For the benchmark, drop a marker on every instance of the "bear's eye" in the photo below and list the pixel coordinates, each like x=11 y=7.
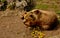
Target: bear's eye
x=31 y=16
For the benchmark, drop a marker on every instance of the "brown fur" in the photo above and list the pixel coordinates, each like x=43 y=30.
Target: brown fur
x=41 y=18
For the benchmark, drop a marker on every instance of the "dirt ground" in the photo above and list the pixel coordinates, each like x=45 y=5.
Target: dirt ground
x=11 y=26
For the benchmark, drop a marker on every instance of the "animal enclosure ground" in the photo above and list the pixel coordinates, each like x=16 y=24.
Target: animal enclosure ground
x=11 y=26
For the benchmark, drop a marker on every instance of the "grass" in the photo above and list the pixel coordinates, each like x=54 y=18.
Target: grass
x=2 y=0
x=58 y=12
x=41 y=6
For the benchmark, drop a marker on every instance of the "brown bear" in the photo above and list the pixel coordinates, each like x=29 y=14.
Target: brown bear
x=41 y=18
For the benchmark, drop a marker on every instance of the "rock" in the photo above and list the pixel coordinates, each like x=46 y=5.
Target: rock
x=21 y=4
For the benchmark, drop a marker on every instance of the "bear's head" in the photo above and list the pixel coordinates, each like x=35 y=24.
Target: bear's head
x=31 y=18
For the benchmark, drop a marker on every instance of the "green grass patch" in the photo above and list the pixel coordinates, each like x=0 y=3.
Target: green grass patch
x=57 y=11
x=42 y=6
x=2 y=0
x=39 y=0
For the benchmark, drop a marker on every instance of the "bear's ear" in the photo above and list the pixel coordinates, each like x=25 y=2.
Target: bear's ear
x=37 y=11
